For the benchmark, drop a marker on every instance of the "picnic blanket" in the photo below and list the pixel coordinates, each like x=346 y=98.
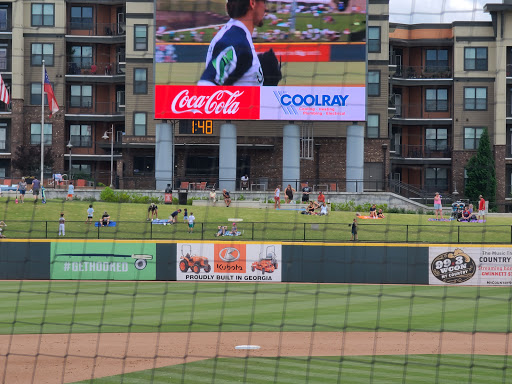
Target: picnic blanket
x=368 y=217
x=111 y=224
x=160 y=221
x=238 y=233
x=471 y=221
x=443 y=219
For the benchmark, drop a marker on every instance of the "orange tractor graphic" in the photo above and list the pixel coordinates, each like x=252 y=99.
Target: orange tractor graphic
x=267 y=262
x=193 y=262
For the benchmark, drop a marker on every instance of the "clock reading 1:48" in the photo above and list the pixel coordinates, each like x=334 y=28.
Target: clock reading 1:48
x=204 y=127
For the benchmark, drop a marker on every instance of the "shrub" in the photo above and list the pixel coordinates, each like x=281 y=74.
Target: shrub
x=111 y=196
x=241 y=198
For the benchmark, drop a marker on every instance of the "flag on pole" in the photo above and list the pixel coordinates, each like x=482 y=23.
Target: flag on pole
x=52 y=101
x=4 y=94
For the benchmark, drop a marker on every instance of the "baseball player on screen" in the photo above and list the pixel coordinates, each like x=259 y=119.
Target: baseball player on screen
x=231 y=57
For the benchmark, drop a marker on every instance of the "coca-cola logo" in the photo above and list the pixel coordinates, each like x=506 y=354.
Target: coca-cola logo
x=221 y=101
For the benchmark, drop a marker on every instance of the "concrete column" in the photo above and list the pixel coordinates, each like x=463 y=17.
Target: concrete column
x=227 y=157
x=164 y=156
x=291 y=156
x=355 y=158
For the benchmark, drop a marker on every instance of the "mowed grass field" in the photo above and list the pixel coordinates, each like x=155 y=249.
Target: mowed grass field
x=92 y=307
x=40 y=221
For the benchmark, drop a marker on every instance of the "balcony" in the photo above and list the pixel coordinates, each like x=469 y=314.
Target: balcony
x=105 y=32
x=96 y=72
x=419 y=75
x=439 y=113
x=422 y=152
x=95 y=111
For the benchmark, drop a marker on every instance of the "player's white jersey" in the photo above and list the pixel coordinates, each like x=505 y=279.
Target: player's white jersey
x=231 y=58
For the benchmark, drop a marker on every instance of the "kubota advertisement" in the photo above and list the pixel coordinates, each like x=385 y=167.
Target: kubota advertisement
x=228 y=262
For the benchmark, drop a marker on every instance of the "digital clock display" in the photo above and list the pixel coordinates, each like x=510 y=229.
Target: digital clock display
x=196 y=127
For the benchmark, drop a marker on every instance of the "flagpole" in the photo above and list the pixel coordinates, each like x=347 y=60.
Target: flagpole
x=42 y=127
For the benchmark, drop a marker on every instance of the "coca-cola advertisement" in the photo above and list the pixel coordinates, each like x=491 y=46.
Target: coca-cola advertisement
x=261 y=48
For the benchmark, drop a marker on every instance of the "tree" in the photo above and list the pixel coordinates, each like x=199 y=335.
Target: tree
x=27 y=159
x=481 y=172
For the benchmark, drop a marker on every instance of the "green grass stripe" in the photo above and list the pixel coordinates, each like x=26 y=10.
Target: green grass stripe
x=413 y=369
x=85 y=306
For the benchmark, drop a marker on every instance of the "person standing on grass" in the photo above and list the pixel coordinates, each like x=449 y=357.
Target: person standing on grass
x=481 y=208
x=191 y=219
x=71 y=191
x=277 y=197
x=90 y=212
x=62 y=229
x=354 y=230
x=288 y=194
x=438 y=207
x=36 y=185
x=22 y=188
x=185 y=215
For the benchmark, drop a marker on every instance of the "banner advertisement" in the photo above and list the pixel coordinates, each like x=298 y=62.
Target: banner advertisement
x=102 y=261
x=228 y=262
x=312 y=51
x=481 y=266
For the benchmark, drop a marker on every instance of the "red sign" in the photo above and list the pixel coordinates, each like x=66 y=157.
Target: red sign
x=207 y=102
x=229 y=258
x=297 y=52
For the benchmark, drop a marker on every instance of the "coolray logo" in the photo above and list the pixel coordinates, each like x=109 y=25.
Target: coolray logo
x=290 y=102
x=220 y=102
x=229 y=254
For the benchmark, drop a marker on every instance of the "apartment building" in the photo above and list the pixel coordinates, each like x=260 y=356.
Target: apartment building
x=99 y=59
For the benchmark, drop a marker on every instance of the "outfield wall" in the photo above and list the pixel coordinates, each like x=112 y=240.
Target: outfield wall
x=369 y=263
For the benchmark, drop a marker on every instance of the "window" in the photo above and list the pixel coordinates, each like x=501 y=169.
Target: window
x=81 y=17
x=80 y=135
x=3 y=58
x=3 y=136
x=475 y=59
x=81 y=57
x=4 y=24
x=140 y=81
x=437 y=60
x=373 y=39
x=197 y=165
x=81 y=96
x=436 y=179
x=373 y=83
x=372 y=127
x=35 y=133
x=140 y=38
x=84 y=169
x=436 y=139
x=436 y=100
x=143 y=165
x=41 y=52
x=475 y=99
x=35 y=94
x=306 y=141
x=43 y=15
x=472 y=137
x=139 y=124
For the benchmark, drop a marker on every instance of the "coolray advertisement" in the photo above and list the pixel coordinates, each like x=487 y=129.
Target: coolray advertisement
x=102 y=261
x=459 y=265
x=228 y=262
x=305 y=60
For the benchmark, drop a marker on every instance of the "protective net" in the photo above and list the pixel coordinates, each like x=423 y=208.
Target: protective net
x=191 y=287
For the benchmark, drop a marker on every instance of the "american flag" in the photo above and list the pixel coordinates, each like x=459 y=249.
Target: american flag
x=4 y=94
x=52 y=101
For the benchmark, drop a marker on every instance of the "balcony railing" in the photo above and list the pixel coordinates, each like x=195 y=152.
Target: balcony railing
x=423 y=72
x=422 y=151
x=99 y=68
x=436 y=109
x=85 y=28
x=95 y=108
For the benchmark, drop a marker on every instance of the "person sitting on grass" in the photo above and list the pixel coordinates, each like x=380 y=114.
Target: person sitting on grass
x=213 y=196
x=105 y=219
x=466 y=215
x=373 y=211
x=323 y=210
x=380 y=215
x=221 y=230
x=234 y=229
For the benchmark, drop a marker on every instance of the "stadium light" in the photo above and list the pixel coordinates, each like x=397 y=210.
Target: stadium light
x=105 y=137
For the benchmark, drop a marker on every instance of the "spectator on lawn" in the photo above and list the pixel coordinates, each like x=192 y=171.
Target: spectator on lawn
x=380 y=215
x=306 y=190
x=62 y=227
x=185 y=216
x=354 y=230
x=288 y=194
x=227 y=197
x=373 y=211
x=277 y=197
x=153 y=209
x=481 y=209
x=221 y=230
x=174 y=216
x=2 y=226
x=213 y=196
x=22 y=188
x=36 y=184
x=438 y=206
x=321 y=198
x=71 y=191
x=191 y=219
x=323 y=210
x=105 y=219
x=90 y=212
x=234 y=229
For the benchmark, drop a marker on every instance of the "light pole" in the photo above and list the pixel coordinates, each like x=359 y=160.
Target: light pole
x=70 y=147
x=105 y=137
